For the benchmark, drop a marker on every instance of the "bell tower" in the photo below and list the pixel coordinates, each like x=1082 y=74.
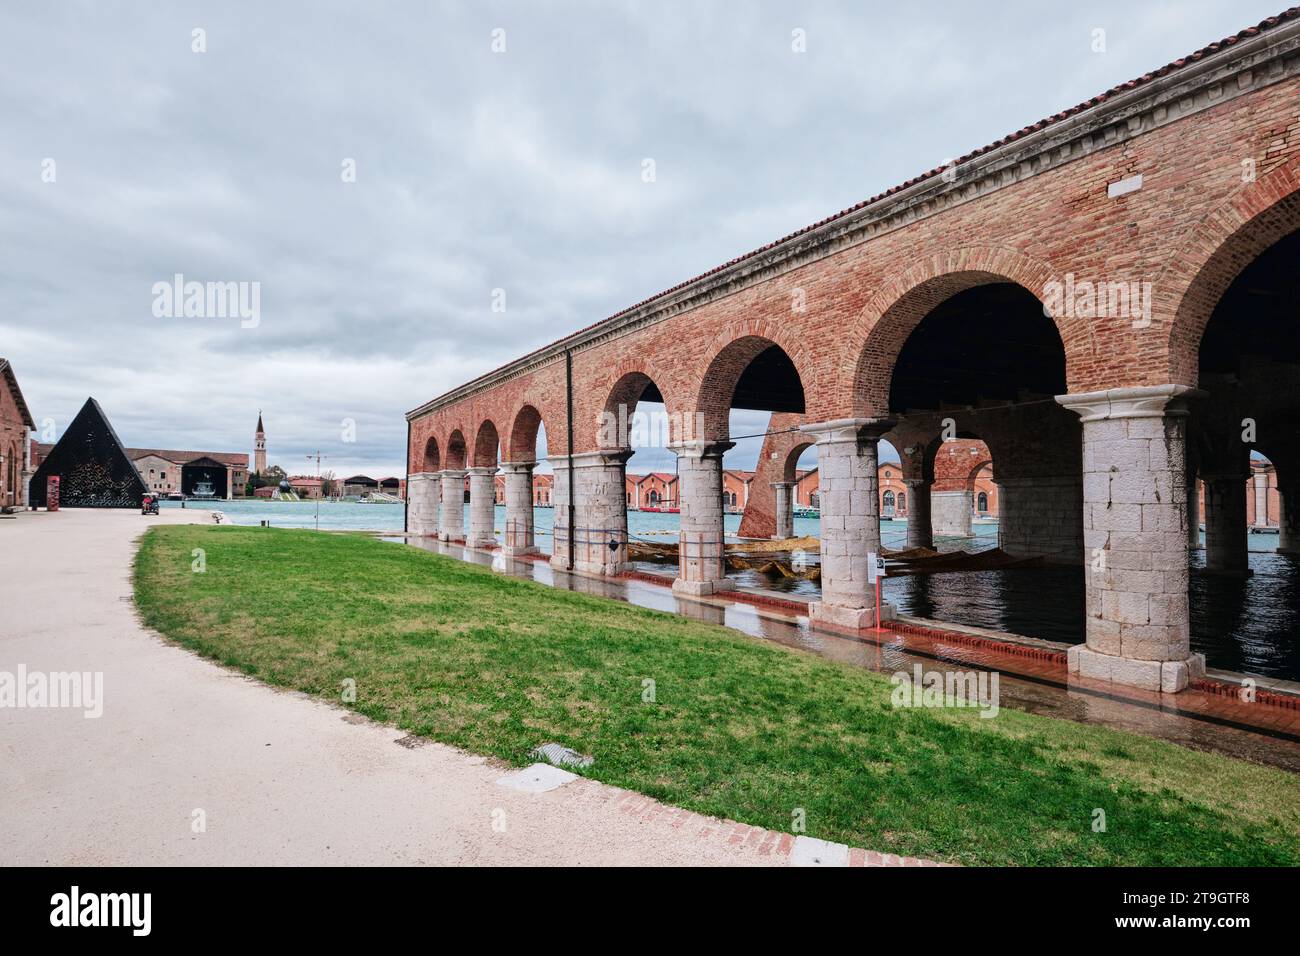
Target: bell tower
x=259 y=446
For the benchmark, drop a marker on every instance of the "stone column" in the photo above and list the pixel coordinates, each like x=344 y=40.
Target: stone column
x=482 y=508
x=423 y=496
x=850 y=520
x=600 y=507
x=451 y=512
x=701 y=568
x=601 y=492
x=1226 y=551
x=950 y=513
x=1135 y=537
x=1261 y=499
x=920 y=531
x=784 y=491
x=518 y=538
x=230 y=482
x=1288 y=532
x=560 y=511
x=1193 y=512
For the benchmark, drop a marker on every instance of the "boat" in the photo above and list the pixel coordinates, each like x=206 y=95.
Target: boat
x=203 y=490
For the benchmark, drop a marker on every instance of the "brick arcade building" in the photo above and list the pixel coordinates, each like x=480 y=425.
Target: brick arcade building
x=1101 y=298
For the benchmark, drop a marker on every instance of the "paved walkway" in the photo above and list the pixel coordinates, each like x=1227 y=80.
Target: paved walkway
x=278 y=777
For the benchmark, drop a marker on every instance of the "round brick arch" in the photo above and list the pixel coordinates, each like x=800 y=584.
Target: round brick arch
x=624 y=385
x=524 y=425
x=898 y=306
x=1219 y=249
x=432 y=460
x=486 y=443
x=790 y=468
x=456 y=451
x=726 y=359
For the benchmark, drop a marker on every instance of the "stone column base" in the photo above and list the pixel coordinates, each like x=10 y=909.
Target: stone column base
x=1168 y=677
x=850 y=618
x=512 y=552
x=698 y=588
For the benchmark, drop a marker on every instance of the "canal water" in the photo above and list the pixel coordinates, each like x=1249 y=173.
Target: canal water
x=1250 y=625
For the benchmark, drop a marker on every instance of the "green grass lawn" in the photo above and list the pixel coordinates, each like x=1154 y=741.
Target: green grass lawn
x=739 y=728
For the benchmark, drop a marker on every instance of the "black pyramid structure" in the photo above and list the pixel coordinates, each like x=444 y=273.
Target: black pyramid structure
x=94 y=469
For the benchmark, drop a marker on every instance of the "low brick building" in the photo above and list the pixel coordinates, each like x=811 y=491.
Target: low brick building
x=15 y=439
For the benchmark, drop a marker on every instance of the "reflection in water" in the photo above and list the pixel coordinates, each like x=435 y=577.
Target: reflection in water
x=1240 y=624
x=1250 y=624
x=887 y=654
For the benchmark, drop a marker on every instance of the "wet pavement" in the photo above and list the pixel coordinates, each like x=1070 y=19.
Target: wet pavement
x=1257 y=732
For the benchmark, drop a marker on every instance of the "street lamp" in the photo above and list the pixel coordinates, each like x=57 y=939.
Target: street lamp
x=319 y=488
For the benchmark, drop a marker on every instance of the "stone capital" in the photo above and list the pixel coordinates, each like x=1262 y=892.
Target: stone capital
x=1143 y=401
x=784 y=484
x=453 y=473
x=918 y=482
x=518 y=467
x=422 y=476
x=482 y=472
x=848 y=430
x=601 y=458
x=700 y=448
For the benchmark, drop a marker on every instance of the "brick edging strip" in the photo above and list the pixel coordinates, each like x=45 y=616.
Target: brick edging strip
x=1222 y=688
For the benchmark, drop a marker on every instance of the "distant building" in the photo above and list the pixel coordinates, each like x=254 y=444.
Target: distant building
x=735 y=489
x=657 y=490
x=543 y=489
x=168 y=471
x=16 y=425
x=306 y=487
x=359 y=485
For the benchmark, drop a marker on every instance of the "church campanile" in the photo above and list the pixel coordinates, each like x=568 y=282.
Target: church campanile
x=259 y=447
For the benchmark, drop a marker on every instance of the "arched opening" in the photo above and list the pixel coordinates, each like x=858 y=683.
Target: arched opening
x=486 y=445
x=1245 y=458
x=457 y=456
x=749 y=403
x=625 y=500
x=527 y=436
x=482 y=489
x=636 y=422
x=972 y=387
x=432 y=457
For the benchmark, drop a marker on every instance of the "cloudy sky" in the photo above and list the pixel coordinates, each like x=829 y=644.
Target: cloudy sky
x=127 y=157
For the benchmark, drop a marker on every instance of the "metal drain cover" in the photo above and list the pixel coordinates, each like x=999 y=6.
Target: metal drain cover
x=562 y=756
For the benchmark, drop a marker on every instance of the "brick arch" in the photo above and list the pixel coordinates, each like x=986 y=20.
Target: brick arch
x=623 y=387
x=432 y=460
x=522 y=444
x=487 y=441
x=1222 y=245
x=727 y=357
x=790 y=468
x=456 y=452
x=898 y=306
x=945 y=474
